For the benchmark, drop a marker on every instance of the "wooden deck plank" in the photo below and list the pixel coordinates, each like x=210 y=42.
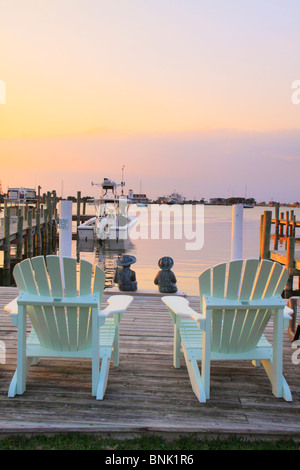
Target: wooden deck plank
x=145 y=394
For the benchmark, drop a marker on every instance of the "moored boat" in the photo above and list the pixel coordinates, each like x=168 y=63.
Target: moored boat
x=112 y=222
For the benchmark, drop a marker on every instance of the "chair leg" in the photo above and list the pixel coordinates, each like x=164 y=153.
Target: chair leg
x=281 y=391
x=206 y=351
x=22 y=365
x=195 y=377
x=12 y=391
x=116 y=348
x=256 y=363
x=95 y=352
x=18 y=383
x=280 y=387
x=103 y=376
x=286 y=392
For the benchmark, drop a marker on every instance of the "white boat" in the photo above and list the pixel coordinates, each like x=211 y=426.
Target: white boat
x=112 y=222
x=175 y=198
x=86 y=230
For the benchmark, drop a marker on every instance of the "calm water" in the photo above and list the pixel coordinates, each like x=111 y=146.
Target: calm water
x=188 y=264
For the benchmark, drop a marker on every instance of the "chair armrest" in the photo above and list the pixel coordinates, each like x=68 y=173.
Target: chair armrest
x=117 y=304
x=219 y=303
x=89 y=300
x=180 y=306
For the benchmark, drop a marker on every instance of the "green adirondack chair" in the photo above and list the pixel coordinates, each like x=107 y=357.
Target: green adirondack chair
x=237 y=300
x=66 y=319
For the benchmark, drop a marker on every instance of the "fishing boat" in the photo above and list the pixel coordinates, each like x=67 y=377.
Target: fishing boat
x=111 y=222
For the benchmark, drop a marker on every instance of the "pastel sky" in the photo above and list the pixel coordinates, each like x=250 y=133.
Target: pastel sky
x=192 y=95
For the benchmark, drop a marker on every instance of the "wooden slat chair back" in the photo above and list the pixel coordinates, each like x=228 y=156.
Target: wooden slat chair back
x=239 y=330
x=237 y=300
x=60 y=328
x=64 y=308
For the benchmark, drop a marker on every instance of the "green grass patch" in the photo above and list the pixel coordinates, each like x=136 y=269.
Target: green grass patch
x=89 y=442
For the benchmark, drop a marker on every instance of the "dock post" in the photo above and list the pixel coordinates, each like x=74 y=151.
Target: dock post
x=287 y=228
x=290 y=262
x=30 y=234
x=261 y=234
x=6 y=248
x=65 y=230
x=53 y=222
x=266 y=235
x=281 y=225
x=45 y=232
x=38 y=233
x=293 y=228
x=49 y=222
x=20 y=236
x=237 y=232
x=277 y=206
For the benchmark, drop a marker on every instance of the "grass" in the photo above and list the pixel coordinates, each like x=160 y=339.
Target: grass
x=88 y=442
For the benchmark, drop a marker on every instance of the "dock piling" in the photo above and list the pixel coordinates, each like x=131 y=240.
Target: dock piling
x=78 y=207
x=31 y=228
x=265 y=235
x=6 y=248
x=20 y=236
x=237 y=232
x=285 y=232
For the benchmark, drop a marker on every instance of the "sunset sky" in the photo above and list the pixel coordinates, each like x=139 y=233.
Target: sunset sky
x=192 y=95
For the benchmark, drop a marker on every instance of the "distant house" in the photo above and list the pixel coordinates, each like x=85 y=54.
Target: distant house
x=21 y=194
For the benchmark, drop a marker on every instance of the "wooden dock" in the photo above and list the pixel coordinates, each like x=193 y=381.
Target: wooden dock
x=285 y=249
x=145 y=394
x=31 y=228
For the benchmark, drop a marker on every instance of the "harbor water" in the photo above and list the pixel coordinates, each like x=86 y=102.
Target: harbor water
x=196 y=237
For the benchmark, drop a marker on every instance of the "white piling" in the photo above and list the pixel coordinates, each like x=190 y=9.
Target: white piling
x=237 y=232
x=65 y=230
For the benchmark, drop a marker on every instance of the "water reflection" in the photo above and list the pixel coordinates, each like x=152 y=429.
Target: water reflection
x=104 y=254
x=188 y=265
